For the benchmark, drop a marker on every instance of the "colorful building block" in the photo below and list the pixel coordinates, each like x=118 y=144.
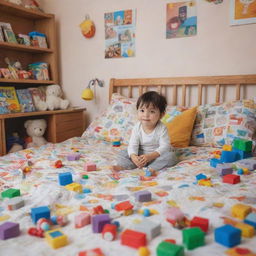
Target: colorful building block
x=94 y=252
x=82 y=219
x=240 y=211
x=10 y=193
x=9 y=230
x=15 y=203
x=227 y=235
x=200 y=222
x=193 y=237
x=133 y=238
x=247 y=230
x=214 y=162
x=200 y=176
x=90 y=167
x=242 y=154
x=229 y=156
x=143 y=251
x=224 y=169
x=227 y=147
x=151 y=229
x=65 y=178
x=76 y=187
x=231 y=179
x=73 y=157
x=116 y=143
x=169 y=249
x=244 y=145
x=123 y=206
x=174 y=214
x=56 y=238
x=99 y=221
x=251 y=219
x=40 y=212
x=109 y=232
x=143 y=196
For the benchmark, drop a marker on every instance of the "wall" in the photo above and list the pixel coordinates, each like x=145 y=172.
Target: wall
x=218 y=49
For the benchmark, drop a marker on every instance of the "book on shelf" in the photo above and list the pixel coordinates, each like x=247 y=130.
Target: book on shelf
x=1 y=35
x=25 y=100
x=8 y=32
x=8 y=100
x=38 y=95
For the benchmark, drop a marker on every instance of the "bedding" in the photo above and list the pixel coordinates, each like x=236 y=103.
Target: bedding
x=174 y=186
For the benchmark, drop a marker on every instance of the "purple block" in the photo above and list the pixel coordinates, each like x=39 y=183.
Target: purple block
x=224 y=169
x=143 y=196
x=73 y=157
x=99 y=221
x=9 y=230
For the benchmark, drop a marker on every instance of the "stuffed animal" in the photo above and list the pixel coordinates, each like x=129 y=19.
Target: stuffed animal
x=53 y=98
x=14 y=143
x=35 y=129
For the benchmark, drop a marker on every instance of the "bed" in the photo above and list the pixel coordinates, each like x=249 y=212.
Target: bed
x=214 y=125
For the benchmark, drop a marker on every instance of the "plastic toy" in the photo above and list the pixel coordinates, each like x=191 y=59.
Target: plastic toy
x=10 y=193
x=116 y=143
x=109 y=232
x=224 y=169
x=251 y=219
x=240 y=211
x=200 y=222
x=73 y=157
x=65 y=178
x=247 y=230
x=94 y=252
x=40 y=212
x=9 y=230
x=244 y=145
x=123 y=206
x=229 y=156
x=58 y=164
x=174 y=215
x=151 y=229
x=82 y=220
x=98 y=210
x=143 y=251
x=143 y=196
x=227 y=147
x=76 y=187
x=214 y=162
x=14 y=143
x=15 y=203
x=227 y=235
x=205 y=182
x=133 y=238
x=43 y=224
x=166 y=249
x=231 y=179
x=56 y=238
x=90 y=167
x=200 y=176
x=193 y=237
x=99 y=221
x=35 y=232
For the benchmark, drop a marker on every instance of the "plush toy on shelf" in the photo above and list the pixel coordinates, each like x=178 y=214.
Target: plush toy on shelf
x=53 y=98
x=35 y=130
x=14 y=143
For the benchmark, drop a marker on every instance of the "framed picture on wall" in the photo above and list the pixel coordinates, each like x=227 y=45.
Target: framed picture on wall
x=242 y=12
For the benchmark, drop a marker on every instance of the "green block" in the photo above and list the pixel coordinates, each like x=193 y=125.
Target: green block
x=10 y=193
x=193 y=237
x=244 y=145
x=169 y=249
x=85 y=177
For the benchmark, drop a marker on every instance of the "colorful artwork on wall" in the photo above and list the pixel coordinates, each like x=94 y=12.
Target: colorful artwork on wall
x=181 y=19
x=242 y=12
x=120 y=34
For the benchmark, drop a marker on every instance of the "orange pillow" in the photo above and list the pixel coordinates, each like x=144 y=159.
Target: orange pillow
x=180 y=128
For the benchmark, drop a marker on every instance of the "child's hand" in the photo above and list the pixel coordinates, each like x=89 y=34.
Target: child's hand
x=144 y=159
x=136 y=160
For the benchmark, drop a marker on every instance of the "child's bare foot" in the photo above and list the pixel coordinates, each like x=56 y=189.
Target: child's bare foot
x=116 y=168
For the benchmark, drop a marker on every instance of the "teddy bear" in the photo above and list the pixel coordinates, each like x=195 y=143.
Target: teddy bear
x=53 y=98
x=35 y=130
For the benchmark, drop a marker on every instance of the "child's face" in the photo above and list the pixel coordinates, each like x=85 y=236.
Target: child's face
x=149 y=115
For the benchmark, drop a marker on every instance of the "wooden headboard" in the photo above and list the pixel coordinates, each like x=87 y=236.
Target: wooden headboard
x=183 y=85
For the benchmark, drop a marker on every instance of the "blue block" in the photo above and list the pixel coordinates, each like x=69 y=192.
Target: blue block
x=40 y=212
x=65 y=178
x=251 y=219
x=214 y=162
x=242 y=154
x=200 y=176
x=227 y=235
x=229 y=156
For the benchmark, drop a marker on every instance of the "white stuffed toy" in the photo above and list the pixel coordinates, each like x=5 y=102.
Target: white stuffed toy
x=35 y=129
x=53 y=98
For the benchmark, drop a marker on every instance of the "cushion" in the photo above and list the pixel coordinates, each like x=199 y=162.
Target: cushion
x=219 y=124
x=180 y=128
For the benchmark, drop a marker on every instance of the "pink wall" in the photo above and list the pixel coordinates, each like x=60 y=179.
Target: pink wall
x=218 y=48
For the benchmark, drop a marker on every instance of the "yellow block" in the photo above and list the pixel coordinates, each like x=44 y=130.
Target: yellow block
x=128 y=212
x=247 y=230
x=240 y=211
x=227 y=147
x=56 y=238
x=74 y=187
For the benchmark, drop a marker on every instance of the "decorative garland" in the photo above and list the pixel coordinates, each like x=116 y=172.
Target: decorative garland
x=215 y=1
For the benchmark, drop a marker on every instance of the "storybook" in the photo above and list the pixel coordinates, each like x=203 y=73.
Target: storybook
x=8 y=100
x=25 y=100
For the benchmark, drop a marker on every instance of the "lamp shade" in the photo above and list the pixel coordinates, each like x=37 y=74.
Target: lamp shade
x=87 y=94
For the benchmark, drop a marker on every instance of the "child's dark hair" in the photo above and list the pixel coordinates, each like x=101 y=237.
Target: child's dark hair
x=154 y=98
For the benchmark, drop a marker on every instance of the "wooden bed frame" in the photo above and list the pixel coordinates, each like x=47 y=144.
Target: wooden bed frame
x=183 y=84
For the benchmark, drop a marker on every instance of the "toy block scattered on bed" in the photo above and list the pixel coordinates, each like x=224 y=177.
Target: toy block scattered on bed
x=9 y=230
x=40 y=212
x=56 y=238
x=10 y=193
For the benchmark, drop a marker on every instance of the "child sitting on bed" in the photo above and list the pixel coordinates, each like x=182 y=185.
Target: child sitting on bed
x=149 y=145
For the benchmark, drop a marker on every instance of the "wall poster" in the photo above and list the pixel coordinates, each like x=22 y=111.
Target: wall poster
x=242 y=12
x=181 y=19
x=120 y=34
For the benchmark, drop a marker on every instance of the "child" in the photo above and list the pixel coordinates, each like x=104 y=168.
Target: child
x=149 y=144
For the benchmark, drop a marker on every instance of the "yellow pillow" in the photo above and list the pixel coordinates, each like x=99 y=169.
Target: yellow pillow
x=180 y=128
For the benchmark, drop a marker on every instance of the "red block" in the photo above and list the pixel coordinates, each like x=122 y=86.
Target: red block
x=109 y=232
x=126 y=205
x=231 y=178
x=94 y=252
x=200 y=222
x=133 y=238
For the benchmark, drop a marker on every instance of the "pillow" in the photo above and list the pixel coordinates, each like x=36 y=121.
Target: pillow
x=180 y=128
x=219 y=124
x=119 y=119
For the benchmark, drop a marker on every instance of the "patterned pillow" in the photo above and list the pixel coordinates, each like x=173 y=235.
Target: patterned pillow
x=219 y=124
x=119 y=119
